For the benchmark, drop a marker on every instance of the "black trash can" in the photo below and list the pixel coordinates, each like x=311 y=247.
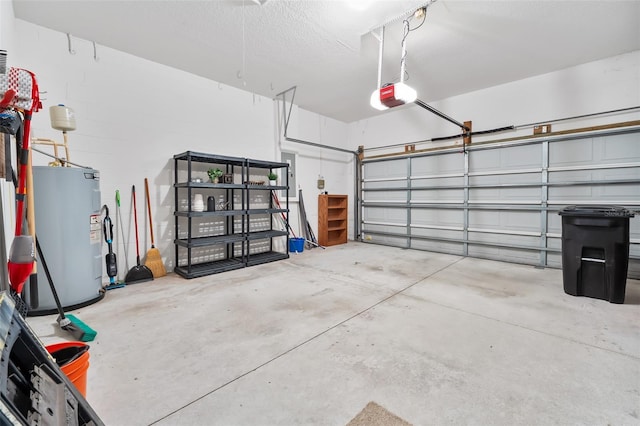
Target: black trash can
x=595 y=251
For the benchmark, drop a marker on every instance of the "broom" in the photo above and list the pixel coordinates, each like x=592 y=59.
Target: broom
x=138 y=273
x=154 y=259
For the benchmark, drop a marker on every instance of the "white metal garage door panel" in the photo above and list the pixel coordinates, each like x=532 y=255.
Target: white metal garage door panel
x=441 y=224
x=446 y=218
x=437 y=246
x=385 y=184
x=504 y=254
x=386 y=197
x=620 y=193
x=382 y=215
x=386 y=169
x=504 y=215
x=611 y=149
x=440 y=165
x=433 y=196
x=512 y=158
x=525 y=222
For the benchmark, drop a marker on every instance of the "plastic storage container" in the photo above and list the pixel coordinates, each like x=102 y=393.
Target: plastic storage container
x=296 y=245
x=73 y=360
x=595 y=251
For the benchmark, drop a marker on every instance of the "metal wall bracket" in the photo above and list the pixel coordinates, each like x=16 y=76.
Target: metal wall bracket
x=541 y=128
x=73 y=52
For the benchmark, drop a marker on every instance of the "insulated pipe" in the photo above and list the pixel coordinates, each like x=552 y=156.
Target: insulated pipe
x=380 y=53
x=60 y=159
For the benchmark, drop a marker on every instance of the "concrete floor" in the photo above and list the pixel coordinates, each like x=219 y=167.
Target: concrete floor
x=433 y=338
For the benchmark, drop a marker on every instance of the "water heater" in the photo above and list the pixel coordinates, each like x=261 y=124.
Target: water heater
x=69 y=231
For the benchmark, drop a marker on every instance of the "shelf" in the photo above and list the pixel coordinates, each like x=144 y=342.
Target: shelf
x=261 y=235
x=250 y=195
x=203 y=269
x=332 y=219
x=207 y=241
x=215 y=213
x=200 y=157
x=266 y=211
x=266 y=187
x=209 y=185
x=271 y=256
x=260 y=164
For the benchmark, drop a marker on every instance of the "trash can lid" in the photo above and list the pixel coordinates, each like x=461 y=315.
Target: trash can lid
x=596 y=211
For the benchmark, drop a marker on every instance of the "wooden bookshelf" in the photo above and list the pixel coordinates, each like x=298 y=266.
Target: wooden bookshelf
x=332 y=219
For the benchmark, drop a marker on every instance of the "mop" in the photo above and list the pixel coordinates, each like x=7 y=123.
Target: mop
x=120 y=225
x=110 y=258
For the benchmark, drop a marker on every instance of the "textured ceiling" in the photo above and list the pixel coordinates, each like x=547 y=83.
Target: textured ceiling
x=326 y=49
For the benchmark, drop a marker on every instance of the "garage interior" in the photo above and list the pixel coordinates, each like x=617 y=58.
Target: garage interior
x=434 y=295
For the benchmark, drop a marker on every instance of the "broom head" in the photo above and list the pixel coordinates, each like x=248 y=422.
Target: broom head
x=138 y=274
x=155 y=263
x=21 y=258
x=78 y=329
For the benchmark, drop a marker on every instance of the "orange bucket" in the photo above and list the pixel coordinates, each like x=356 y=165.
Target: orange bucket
x=75 y=369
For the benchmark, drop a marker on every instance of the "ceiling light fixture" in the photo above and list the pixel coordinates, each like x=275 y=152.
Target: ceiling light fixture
x=393 y=95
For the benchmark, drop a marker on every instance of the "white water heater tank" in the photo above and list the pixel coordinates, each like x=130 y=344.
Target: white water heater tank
x=69 y=231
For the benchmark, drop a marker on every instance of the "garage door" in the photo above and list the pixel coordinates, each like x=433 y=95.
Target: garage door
x=500 y=201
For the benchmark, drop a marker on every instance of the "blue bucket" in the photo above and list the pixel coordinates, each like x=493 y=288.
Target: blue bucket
x=296 y=245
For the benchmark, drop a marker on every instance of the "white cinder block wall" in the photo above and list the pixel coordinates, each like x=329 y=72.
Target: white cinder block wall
x=133 y=115
x=6 y=25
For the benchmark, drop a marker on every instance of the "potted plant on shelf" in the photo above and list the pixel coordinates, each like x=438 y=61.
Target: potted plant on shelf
x=214 y=175
x=272 y=178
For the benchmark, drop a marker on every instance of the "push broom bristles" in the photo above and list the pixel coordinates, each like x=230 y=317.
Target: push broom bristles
x=155 y=263
x=78 y=329
x=154 y=260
